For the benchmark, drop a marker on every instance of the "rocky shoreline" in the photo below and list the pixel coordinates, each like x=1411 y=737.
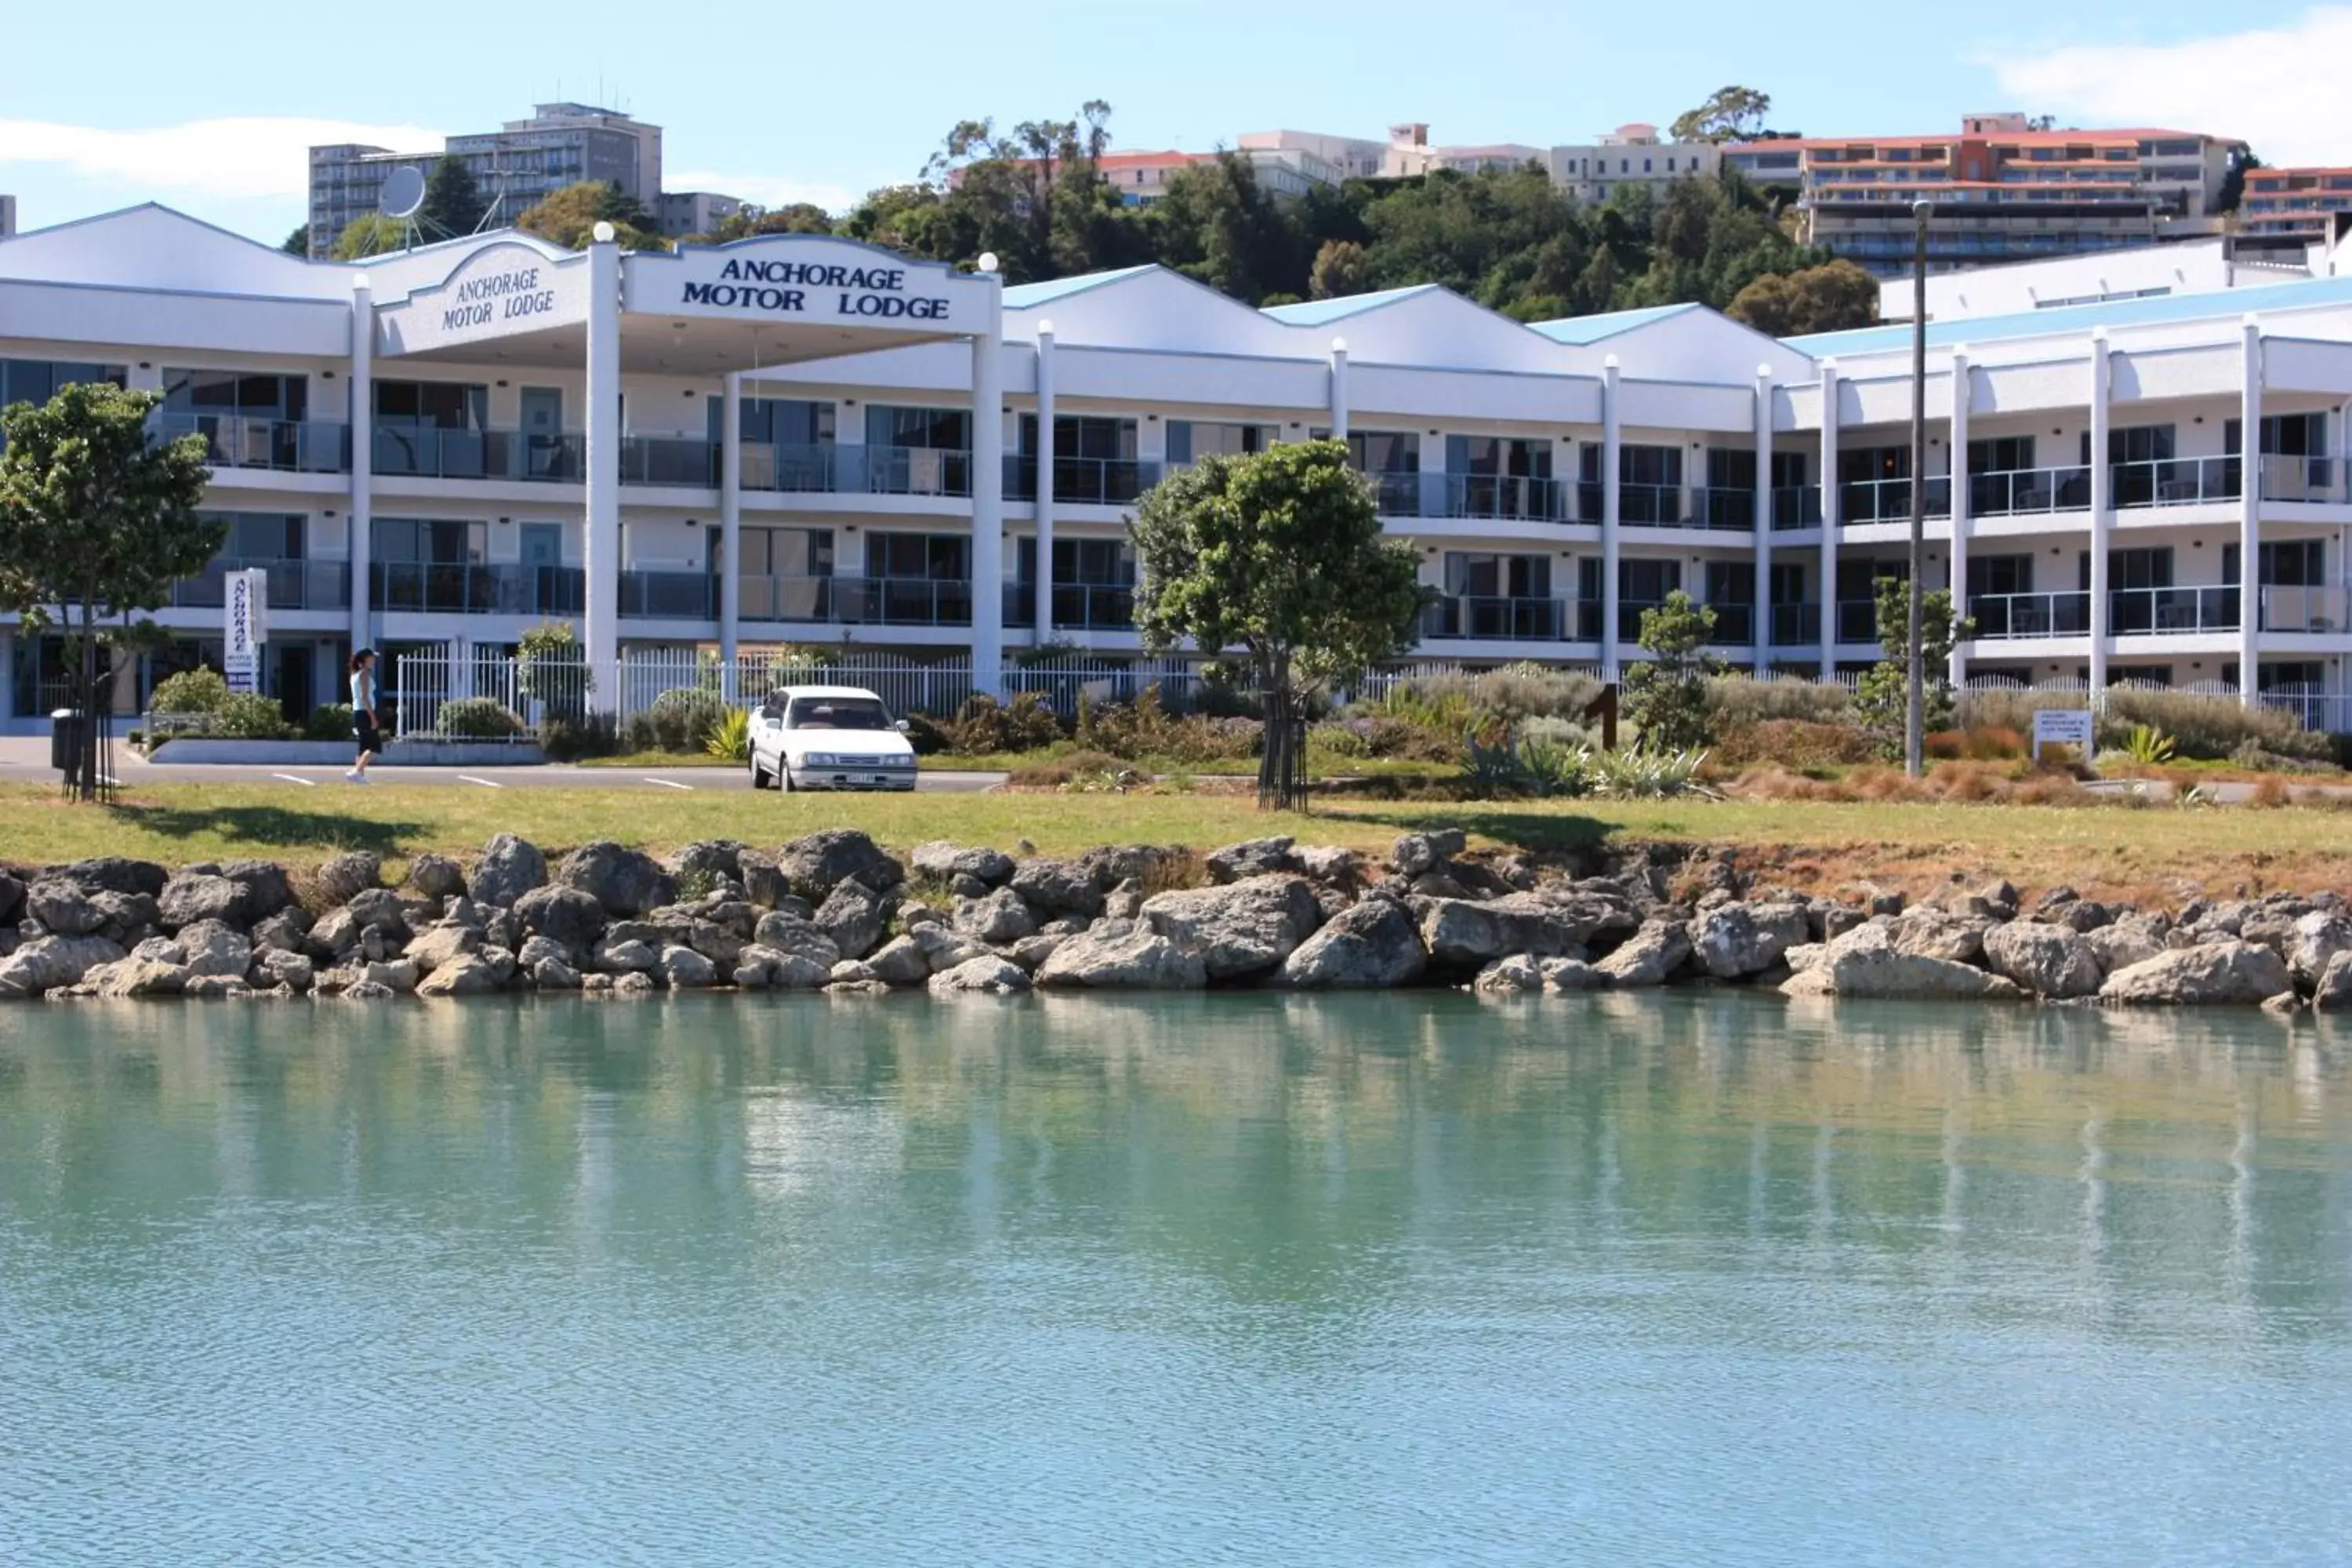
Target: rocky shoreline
x=834 y=911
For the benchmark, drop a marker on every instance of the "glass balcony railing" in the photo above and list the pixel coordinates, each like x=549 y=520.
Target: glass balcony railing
x=2012 y=492
x=828 y=469
x=1497 y=619
x=1797 y=506
x=787 y=599
x=1733 y=509
x=1999 y=615
x=652 y=596
x=904 y=601
x=678 y=460
x=1734 y=625
x=1503 y=495
x=1889 y=501
x=2171 y=611
x=1078 y=607
x=2174 y=482
x=1858 y=620
x=425 y=453
x=476 y=588
x=1654 y=506
x=2287 y=607
x=286 y=446
x=1796 y=626
x=1083 y=481
x=1401 y=493
x=2304 y=479
x=294 y=585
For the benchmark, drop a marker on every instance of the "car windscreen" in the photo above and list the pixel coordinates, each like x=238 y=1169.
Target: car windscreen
x=837 y=713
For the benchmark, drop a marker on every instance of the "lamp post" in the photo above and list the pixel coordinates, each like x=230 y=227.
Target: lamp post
x=1914 y=696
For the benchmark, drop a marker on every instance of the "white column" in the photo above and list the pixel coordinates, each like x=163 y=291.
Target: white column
x=1338 y=389
x=730 y=530
x=1044 y=608
x=2249 y=511
x=360 y=515
x=1830 y=517
x=988 y=491
x=1612 y=445
x=2102 y=517
x=1963 y=389
x=1763 y=611
x=600 y=532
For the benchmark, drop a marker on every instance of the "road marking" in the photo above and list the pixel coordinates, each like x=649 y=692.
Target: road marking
x=486 y=783
x=297 y=778
x=667 y=783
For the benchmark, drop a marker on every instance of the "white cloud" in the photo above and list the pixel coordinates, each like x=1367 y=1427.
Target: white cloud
x=2270 y=85
x=762 y=190
x=239 y=159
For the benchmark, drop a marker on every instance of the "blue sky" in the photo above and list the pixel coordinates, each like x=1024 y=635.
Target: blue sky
x=211 y=111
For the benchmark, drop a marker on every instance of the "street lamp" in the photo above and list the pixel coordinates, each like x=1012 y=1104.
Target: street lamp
x=1915 y=741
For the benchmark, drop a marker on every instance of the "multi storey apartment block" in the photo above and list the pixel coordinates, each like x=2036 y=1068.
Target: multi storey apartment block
x=795 y=439
x=2297 y=204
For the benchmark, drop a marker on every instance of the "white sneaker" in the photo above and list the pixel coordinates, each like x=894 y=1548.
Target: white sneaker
x=355 y=776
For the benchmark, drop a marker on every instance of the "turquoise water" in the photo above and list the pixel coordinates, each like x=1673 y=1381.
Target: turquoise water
x=1686 y=1280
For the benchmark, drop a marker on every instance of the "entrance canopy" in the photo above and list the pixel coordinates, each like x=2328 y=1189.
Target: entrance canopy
x=700 y=311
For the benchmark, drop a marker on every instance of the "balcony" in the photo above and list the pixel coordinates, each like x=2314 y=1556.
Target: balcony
x=1796 y=626
x=1496 y=619
x=1502 y=496
x=1999 y=615
x=2173 y=481
x=425 y=453
x=477 y=589
x=283 y=446
x=1889 y=501
x=787 y=599
x=648 y=596
x=1857 y=621
x=1078 y=607
x=2300 y=608
x=294 y=585
x=2020 y=492
x=1797 y=506
x=828 y=469
x=678 y=460
x=904 y=601
x=1676 y=506
x=1734 y=625
x=2316 y=480
x=1083 y=481
x=2176 y=612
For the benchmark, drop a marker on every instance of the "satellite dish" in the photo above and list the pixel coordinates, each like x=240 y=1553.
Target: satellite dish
x=404 y=193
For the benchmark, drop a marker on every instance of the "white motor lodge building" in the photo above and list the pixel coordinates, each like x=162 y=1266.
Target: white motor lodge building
x=799 y=439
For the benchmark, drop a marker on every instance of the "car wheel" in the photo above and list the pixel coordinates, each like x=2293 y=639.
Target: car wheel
x=784 y=773
x=759 y=774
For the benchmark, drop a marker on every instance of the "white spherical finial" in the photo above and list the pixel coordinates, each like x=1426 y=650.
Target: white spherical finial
x=603 y=231
x=1763 y=370
x=1338 y=345
x=1045 y=327
x=988 y=261
x=1608 y=361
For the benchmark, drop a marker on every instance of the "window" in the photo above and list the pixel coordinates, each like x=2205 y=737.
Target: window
x=935 y=557
x=2285 y=564
x=37 y=380
x=1644 y=583
x=785 y=551
x=239 y=396
x=1648 y=465
x=1384 y=451
x=437 y=540
x=1498 y=454
x=2000 y=454
x=2134 y=444
x=1473 y=574
x=1731 y=584
x=2282 y=435
x=1731 y=469
x=1789 y=471
x=1998 y=575
x=260 y=535
x=1190 y=440
x=1788 y=583
x=1081 y=562
x=432 y=405
x=778 y=421
x=932 y=429
x=2129 y=569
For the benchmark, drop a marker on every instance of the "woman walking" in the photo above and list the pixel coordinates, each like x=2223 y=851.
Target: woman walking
x=363 y=721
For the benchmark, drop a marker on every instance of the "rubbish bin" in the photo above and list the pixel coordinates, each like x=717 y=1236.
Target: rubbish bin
x=66 y=741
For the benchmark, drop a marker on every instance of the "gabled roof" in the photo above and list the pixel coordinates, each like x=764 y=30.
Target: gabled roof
x=2303 y=294
x=152 y=246
x=1028 y=295
x=1320 y=312
x=1579 y=330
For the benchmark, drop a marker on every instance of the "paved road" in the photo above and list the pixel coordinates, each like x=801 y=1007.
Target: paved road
x=23 y=760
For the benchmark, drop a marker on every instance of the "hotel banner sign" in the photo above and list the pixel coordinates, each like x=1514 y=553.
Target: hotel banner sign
x=805 y=279
x=502 y=291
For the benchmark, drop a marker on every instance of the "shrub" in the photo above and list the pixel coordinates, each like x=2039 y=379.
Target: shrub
x=1559 y=732
x=1794 y=743
x=1144 y=729
x=567 y=738
x=731 y=738
x=1665 y=696
x=983 y=726
x=190 y=691
x=1645 y=774
x=1335 y=739
x=1734 y=701
x=681 y=718
x=2207 y=727
x=477 y=719
x=329 y=722
x=1058 y=771
x=249 y=716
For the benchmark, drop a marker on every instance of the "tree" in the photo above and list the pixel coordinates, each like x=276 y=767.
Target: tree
x=1279 y=555
x=1217 y=224
x=298 y=242
x=1730 y=114
x=1882 y=696
x=1665 y=695
x=1340 y=269
x=569 y=217
x=372 y=234
x=97 y=521
x=1830 y=297
x=453 y=203
x=1032 y=194
x=2233 y=180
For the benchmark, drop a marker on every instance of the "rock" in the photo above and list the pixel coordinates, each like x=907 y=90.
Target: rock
x=635 y=983
x=463 y=974
x=1051 y=888
x=12 y=898
x=2081 y=915
x=567 y=915
x=208 y=947
x=284 y=932
x=1935 y=933
x=2133 y=940
x=2221 y=974
x=1565 y=975
x=912 y=916
x=107 y=874
x=790 y=933
x=814 y=866
x=1832 y=920
x=365 y=991
x=1515 y=975
x=943 y=948
x=49 y=963
x=344 y=931
x=853 y=916
x=398 y=974
x=595 y=985
x=1123 y=954
x=1242 y=929
x=1866 y=963
x=855 y=972
x=215 y=987
x=966 y=888
x=2313 y=942
x=1731 y=941
x=555 y=975
x=763 y=883
x=939 y=861
x=716 y=943
x=136 y=976
x=2333 y=993
x=1648 y=956
x=2047 y=959
x=277 y=966
x=627 y=956
x=438 y=877
x=1372 y=944
x=1112 y=864
x=986 y=976
x=798 y=972
x=62 y=907
x=1032 y=950
x=1124 y=901
x=1416 y=853
x=2285 y=1005
x=685 y=970
x=1438 y=885
x=1256 y=858
x=342 y=878
x=1464 y=933
x=1330 y=863
x=162 y=950
x=443 y=944
x=901 y=962
x=708 y=862
x=626 y=881
x=125 y=918
x=509 y=867
x=997 y=918
x=857 y=988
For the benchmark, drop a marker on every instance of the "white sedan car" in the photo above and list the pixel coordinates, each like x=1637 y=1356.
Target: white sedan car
x=828 y=737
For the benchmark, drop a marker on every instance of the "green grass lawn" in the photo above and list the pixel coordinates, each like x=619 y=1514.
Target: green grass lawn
x=2118 y=851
